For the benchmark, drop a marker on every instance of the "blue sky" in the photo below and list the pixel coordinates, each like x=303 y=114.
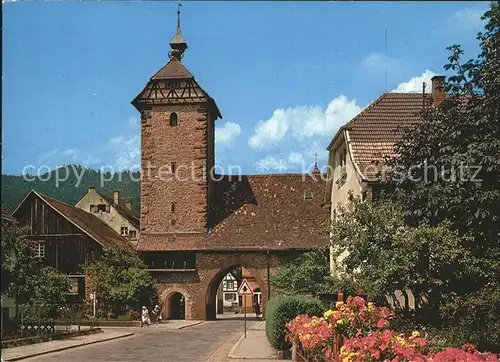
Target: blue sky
x=285 y=75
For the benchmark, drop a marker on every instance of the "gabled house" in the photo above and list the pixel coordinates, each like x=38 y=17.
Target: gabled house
x=359 y=148
x=229 y=289
x=117 y=215
x=65 y=237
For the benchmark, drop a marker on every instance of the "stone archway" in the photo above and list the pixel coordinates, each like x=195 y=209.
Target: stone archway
x=213 y=284
x=175 y=304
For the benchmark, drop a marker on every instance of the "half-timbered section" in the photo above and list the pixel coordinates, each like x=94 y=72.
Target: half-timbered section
x=65 y=237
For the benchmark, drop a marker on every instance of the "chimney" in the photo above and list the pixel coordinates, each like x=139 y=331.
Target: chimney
x=128 y=204
x=116 y=197
x=438 y=92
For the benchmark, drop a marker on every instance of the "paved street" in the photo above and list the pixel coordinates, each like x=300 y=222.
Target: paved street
x=197 y=343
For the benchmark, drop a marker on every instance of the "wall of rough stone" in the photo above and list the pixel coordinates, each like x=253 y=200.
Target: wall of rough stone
x=186 y=146
x=199 y=287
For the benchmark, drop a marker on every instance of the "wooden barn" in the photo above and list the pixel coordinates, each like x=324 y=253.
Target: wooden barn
x=65 y=237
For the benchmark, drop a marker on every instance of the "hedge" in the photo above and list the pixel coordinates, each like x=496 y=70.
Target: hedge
x=281 y=310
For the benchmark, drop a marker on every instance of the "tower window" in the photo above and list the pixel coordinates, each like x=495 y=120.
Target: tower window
x=173 y=119
x=172 y=207
x=173 y=167
x=172 y=222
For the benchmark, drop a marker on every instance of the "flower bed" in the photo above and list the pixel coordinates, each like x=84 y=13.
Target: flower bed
x=360 y=332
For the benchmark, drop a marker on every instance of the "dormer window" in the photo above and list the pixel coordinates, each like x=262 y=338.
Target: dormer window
x=124 y=230
x=173 y=119
x=308 y=195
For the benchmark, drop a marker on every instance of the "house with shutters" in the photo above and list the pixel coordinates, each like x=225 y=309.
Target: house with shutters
x=114 y=212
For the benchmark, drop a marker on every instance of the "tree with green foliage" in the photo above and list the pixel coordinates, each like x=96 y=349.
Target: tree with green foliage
x=121 y=281
x=455 y=151
x=48 y=297
x=19 y=264
x=377 y=251
x=303 y=273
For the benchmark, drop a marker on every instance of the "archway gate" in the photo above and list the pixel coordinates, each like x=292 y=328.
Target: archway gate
x=199 y=286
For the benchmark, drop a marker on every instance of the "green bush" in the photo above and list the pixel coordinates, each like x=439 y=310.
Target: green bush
x=282 y=309
x=124 y=317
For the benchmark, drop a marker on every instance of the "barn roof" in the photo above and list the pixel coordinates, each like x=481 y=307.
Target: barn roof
x=259 y=212
x=86 y=222
x=7 y=217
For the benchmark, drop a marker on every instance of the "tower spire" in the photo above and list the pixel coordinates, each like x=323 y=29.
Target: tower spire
x=178 y=44
x=316 y=168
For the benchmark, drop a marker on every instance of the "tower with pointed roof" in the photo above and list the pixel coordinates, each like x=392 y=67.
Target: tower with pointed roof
x=195 y=228
x=177 y=142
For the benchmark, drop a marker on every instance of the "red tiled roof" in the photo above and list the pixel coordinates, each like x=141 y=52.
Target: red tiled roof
x=86 y=222
x=261 y=212
x=173 y=69
x=374 y=132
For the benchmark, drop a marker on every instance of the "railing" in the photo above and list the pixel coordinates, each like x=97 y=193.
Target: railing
x=301 y=355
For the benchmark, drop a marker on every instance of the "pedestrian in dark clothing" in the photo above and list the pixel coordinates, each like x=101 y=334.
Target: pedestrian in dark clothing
x=256 y=309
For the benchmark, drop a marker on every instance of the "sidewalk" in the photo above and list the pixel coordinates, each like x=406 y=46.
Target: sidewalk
x=170 y=324
x=254 y=348
x=18 y=353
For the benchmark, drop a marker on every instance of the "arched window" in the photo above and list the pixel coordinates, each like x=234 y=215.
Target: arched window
x=173 y=119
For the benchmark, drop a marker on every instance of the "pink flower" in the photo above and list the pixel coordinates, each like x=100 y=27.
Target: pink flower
x=381 y=323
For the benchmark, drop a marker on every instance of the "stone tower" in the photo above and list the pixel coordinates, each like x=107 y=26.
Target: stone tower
x=177 y=142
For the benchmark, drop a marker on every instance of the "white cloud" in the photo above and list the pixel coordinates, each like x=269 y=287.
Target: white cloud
x=468 y=18
x=303 y=122
x=121 y=152
x=377 y=61
x=228 y=133
x=126 y=151
x=414 y=85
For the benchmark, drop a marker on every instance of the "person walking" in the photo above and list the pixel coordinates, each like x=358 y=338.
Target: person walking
x=256 y=309
x=156 y=314
x=145 y=321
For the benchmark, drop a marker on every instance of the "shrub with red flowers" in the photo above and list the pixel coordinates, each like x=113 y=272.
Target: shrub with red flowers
x=312 y=333
x=368 y=338
x=467 y=353
x=384 y=346
x=357 y=317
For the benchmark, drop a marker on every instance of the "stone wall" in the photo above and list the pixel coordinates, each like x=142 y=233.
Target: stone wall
x=174 y=200
x=200 y=287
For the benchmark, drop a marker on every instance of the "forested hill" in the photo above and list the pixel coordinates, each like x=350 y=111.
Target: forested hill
x=69 y=184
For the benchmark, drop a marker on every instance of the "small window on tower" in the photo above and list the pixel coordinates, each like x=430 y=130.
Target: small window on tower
x=173 y=167
x=172 y=222
x=173 y=119
x=172 y=207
